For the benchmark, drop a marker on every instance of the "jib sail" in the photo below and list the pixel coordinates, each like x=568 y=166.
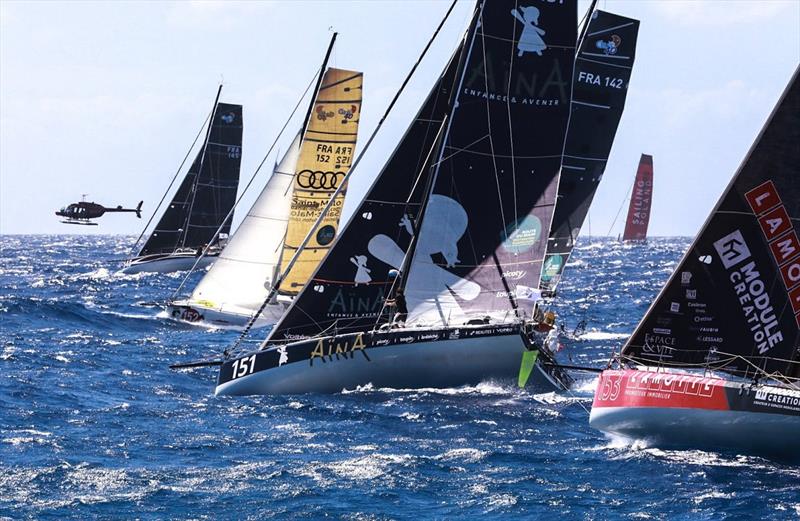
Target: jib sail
x=641 y=200
x=208 y=191
x=325 y=157
x=240 y=278
x=733 y=303
x=599 y=88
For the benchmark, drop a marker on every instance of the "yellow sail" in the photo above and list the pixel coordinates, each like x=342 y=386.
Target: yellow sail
x=325 y=157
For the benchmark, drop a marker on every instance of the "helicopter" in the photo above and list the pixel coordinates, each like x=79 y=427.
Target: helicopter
x=84 y=211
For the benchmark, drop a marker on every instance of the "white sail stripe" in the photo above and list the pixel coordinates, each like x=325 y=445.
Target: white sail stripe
x=515 y=156
x=501 y=39
x=610 y=29
x=268 y=218
x=587 y=158
x=573 y=167
x=224 y=144
x=629 y=67
x=595 y=105
x=603 y=55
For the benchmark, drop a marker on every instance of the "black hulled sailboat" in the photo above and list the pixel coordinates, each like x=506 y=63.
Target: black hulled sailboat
x=458 y=219
x=202 y=203
x=715 y=362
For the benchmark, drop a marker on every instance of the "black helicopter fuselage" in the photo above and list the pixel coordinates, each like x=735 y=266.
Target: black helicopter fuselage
x=83 y=211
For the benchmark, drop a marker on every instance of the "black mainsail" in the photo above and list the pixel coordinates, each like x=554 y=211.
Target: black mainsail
x=511 y=91
x=599 y=88
x=733 y=303
x=208 y=191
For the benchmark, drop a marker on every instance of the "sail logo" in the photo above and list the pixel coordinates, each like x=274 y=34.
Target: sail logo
x=228 y=118
x=610 y=47
x=732 y=249
x=531 y=38
x=778 y=230
x=750 y=290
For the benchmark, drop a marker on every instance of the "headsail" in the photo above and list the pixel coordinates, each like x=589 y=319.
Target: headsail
x=641 y=200
x=239 y=280
x=734 y=300
x=599 y=88
x=326 y=153
x=208 y=190
x=345 y=292
x=484 y=232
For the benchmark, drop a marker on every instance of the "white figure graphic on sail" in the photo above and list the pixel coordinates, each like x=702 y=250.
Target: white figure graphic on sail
x=362 y=272
x=531 y=38
x=430 y=289
x=284 y=356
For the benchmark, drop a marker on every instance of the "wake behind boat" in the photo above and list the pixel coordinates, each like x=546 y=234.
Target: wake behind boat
x=186 y=235
x=231 y=293
x=715 y=362
x=449 y=239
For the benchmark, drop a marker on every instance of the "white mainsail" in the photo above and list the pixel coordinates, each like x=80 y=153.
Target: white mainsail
x=240 y=279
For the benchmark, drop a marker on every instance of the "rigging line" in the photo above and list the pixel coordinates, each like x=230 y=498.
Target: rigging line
x=328 y=206
x=620 y=208
x=178 y=171
x=200 y=169
x=489 y=128
x=247 y=186
x=508 y=112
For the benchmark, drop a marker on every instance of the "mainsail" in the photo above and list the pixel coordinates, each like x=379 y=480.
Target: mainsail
x=733 y=303
x=326 y=153
x=599 y=88
x=641 y=200
x=239 y=280
x=208 y=190
x=484 y=231
x=344 y=292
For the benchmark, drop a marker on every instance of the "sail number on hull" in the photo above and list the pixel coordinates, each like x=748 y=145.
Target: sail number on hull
x=243 y=366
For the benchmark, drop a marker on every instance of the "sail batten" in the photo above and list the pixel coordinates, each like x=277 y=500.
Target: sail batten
x=598 y=101
x=733 y=302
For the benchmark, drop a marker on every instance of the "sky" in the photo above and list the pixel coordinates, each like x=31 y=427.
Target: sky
x=104 y=98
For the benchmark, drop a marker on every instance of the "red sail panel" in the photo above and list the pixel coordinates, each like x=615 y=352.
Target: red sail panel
x=641 y=199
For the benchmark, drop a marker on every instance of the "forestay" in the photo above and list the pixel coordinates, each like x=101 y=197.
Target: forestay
x=240 y=278
x=208 y=191
x=733 y=303
x=599 y=88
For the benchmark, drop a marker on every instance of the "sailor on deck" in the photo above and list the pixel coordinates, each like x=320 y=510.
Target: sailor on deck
x=401 y=310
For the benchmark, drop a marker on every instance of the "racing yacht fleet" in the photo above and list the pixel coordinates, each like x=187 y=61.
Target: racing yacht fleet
x=445 y=273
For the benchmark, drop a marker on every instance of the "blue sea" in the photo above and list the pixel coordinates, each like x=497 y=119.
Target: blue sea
x=94 y=425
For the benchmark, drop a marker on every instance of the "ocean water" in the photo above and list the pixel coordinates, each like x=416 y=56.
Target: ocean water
x=93 y=424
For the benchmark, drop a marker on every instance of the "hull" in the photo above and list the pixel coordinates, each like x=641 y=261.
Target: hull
x=670 y=409
x=166 y=263
x=194 y=313
x=400 y=359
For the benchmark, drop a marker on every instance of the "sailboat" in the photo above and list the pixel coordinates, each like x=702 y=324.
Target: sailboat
x=456 y=222
x=599 y=89
x=202 y=203
x=715 y=362
x=231 y=293
x=641 y=200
